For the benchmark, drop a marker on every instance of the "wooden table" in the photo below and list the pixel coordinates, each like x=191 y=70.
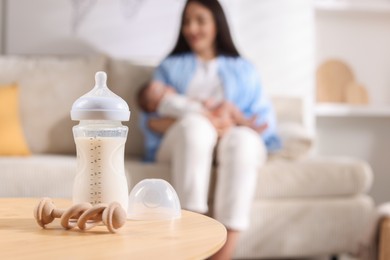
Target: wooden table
x=193 y=236
x=384 y=240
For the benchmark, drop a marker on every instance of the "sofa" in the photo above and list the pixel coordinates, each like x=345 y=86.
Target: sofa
x=304 y=205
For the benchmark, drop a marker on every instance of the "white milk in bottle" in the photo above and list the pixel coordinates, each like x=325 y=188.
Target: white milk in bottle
x=100 y=141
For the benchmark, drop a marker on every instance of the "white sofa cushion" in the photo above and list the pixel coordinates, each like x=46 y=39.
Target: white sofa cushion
x=37 y=176
x=48 y=88
x=314 y=177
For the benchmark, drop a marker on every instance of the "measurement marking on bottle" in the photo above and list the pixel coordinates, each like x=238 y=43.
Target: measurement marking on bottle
x=95 y=176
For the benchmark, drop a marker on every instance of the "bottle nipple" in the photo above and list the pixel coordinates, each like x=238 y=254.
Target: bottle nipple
x=101 y=79
x=101 y=89
x=100 y=103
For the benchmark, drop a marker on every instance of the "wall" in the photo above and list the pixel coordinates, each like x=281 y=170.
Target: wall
x=133 y=29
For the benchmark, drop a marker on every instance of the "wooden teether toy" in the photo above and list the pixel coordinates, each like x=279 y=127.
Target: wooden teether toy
x=83 y=215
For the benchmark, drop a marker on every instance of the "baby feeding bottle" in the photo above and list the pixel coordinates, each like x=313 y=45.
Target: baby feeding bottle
x=100 y=142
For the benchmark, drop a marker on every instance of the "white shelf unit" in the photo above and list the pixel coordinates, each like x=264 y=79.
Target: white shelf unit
x=345 y=110
x=378 y=6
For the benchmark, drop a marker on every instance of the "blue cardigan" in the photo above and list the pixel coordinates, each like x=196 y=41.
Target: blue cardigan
x=241 y=87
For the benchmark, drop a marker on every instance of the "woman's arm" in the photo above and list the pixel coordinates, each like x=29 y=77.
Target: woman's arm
x=160 y=125
x=260 y=106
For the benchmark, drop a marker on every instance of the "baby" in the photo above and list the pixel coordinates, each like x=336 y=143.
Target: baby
x=163 y=99
x=157 y=97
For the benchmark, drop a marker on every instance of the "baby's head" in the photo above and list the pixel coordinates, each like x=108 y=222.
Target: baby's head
x=150 y=95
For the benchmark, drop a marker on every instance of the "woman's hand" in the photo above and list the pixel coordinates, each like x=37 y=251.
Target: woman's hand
x=161 y=125
x=226 y=115
x=251 y=123
x=221 y=123
x=259 y=128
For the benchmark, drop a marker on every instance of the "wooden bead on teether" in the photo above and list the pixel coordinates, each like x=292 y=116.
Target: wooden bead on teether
x=45 y=212
x=113 y=216
x=94 y=213
x=73 y=212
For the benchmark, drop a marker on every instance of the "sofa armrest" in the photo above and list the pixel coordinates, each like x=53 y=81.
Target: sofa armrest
x=297 y=142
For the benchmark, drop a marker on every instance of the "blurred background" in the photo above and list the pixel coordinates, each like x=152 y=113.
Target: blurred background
x=290 y=42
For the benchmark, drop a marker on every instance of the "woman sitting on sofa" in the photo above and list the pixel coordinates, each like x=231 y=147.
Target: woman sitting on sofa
x=204 y=65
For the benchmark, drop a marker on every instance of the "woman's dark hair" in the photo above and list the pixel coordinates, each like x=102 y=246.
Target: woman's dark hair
x=224 y=42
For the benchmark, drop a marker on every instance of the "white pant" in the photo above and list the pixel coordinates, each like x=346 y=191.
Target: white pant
x=188 y=145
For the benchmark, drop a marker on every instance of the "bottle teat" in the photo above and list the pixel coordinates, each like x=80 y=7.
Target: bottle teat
x=100 y=103
x=101 y=79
